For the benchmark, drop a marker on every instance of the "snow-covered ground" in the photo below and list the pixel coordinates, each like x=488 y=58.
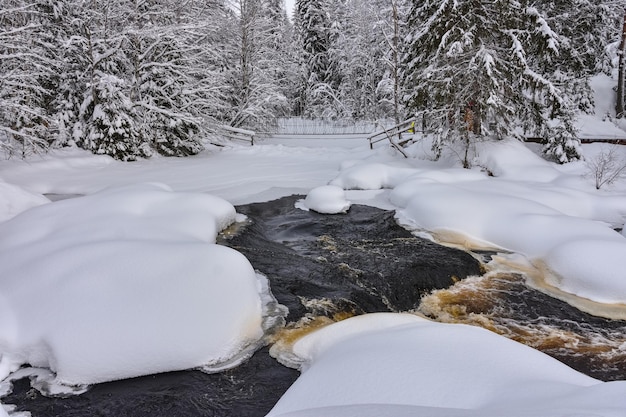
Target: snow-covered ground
x=239 y=175
x=117 y=283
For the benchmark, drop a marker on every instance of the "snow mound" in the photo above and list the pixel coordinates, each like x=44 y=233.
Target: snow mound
x=371 y=176
x=583 y=253
x=14 y=200
x=512 y=159
x=123 y=283
x=591 y=266
x=401 y=365
x=327 y=199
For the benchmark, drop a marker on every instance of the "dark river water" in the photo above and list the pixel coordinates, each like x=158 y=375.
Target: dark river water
x=328 y=267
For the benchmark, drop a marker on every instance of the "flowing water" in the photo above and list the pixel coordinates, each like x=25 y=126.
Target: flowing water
x=505 y=304
x=249 y=390
x=325 y=268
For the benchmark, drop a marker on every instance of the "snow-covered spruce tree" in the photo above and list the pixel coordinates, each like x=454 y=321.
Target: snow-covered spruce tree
x=94 y=76
x=109 y=121
x=158 y=95
x=585 y=28
x=281 y=53
x=74 y=69
x=316 y=34
x=473 y=70
x=27 y=68
x=391 y=24
x=357 y=52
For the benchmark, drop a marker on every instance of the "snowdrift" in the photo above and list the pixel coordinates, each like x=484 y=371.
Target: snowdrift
x=402 y=365
x=123 y=283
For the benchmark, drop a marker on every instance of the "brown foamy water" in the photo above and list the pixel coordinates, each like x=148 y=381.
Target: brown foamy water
x=503 y=303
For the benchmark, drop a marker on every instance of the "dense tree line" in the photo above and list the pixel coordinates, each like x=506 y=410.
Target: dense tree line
x=130 y=78
x=507 y=68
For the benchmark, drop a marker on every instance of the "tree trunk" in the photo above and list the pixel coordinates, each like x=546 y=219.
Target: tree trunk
x=396 y=63
x=621 y=81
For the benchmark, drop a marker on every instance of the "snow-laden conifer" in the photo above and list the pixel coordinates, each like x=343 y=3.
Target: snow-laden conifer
x=321 y=78
x=477 y=70
x=161 y=56
x=392 y=25
x=108 y=118
x=358 y=51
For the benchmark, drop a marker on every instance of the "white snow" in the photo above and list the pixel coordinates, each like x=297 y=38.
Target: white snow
x=326 y=199
x=371 y=176
x=402 y=365
x=239 y=175
x=14 y=200
x=122 y=283
x=127 y=280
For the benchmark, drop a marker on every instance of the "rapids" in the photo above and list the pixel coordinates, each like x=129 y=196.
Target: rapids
x=324 y=268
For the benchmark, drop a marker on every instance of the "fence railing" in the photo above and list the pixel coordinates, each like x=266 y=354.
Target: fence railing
x=394 y=134
x=303 y=126
x=236 y=133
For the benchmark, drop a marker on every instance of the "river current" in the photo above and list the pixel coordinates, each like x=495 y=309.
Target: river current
x=325 y=268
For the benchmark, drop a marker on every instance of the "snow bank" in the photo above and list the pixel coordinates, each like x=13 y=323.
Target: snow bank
x=123 y=283
x=14 y=200
x=327 y=199
x=525 y=209
x=586 y=256
x=402 y=365
x=371 y=176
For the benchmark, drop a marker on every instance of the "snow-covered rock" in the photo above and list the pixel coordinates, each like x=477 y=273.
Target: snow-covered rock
x=122 y=283
x=401 y=365
x=327 y=199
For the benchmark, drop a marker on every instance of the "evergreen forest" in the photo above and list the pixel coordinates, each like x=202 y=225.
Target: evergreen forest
x=136 y=78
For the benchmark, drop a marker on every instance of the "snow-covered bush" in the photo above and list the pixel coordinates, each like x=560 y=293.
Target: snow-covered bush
x=606 y=167
x=562 y=145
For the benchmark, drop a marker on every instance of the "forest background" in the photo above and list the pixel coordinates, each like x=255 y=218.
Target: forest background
x=135 y=78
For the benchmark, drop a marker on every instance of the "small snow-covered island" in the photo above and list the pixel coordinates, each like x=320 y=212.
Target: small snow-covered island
x=142 y=142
